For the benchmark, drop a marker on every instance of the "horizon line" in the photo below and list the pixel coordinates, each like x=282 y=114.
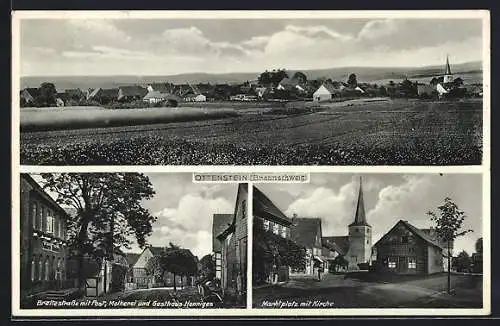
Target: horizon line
x=256 y=72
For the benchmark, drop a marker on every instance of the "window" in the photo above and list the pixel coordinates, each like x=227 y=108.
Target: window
x=243 y=209
x=33 y=266
x=412 y=263
x=404 y=239
x=391 y=263
x=33 y=215
x=56 y=226
x=49 y=223
x=39 y=213
x=47 y=269
x=266 y=225
x=276 y=228
x=284 y=231
x=357 y=230
x=411 y=250
x=354 y=259
x=40 y=269
x=367 y=241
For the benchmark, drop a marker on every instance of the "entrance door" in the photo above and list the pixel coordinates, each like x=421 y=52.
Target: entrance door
x=402 y=264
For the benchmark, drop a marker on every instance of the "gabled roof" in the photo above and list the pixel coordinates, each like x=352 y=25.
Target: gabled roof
x=332 y=87
x=159 y=95
x=41 y=192
x=34 y=92
x=264 y=207
x=338 y=243
x=360 y=216
x=416 y=231
x=161 y=87
x=219 y=224
x=131 y=258
x=305 y=231
x=133 y=90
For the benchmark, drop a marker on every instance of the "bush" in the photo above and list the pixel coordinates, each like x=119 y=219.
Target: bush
x=118 y=273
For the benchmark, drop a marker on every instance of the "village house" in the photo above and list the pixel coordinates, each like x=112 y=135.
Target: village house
x=220 y=223
x=405 y=249
x=131 y=93
x=155 y=97
x=131 y=258
x=104 y=96
x=272 y=219
x=327 y=91
x=43 y=260
x=160 y=87
x=234 y=240
x=307 y=232
x=291 y=84
x=28 y=96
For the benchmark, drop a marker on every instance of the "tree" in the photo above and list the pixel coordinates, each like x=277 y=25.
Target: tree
x=207 y=267
x=109 y=212
x=47 y=96
x=479 y=245
x=271 y=251
x=155 y=266
x=180 y=262
x=448 y=226
x=300 y=76
x=463 y=262
x=352 y=81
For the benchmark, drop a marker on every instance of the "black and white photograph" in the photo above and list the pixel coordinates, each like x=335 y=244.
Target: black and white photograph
x=131 y=240
x=369 y=241
x=226 y=89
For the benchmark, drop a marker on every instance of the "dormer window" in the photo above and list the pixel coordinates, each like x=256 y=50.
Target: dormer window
x=49 y=224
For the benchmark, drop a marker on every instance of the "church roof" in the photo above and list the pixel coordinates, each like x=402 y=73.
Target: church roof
x=360 y=216
x=447 y=70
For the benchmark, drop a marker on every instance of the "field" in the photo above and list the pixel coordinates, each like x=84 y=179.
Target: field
x=382 y=132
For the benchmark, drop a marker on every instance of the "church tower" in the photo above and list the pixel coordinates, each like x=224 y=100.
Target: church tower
x=447 y=77
x=360 y=235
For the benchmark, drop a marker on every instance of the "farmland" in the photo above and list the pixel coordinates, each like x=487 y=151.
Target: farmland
x=406 y=132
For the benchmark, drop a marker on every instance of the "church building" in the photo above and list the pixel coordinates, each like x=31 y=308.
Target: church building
x=356 y=247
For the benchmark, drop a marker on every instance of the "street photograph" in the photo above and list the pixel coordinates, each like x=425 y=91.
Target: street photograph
x=131 y=240
x=369 y=241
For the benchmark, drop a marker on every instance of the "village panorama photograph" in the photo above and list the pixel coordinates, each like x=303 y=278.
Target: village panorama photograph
x=385 y=90
x=369 y=241
x=130 y=240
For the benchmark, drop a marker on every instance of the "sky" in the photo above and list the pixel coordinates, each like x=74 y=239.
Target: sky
x=388 y=198
x=174 y=46
x=184 y=210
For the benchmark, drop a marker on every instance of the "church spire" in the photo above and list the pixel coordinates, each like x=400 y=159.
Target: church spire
x=447 y=70
x=360 y=216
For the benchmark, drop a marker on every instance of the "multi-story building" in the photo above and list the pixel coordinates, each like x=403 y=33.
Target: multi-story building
x=233 y=248
x=307 y=232
x=43 y=244
x=269 y=218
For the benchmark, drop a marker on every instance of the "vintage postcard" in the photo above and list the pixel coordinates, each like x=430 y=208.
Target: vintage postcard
x=248 y=88
x=250 y=163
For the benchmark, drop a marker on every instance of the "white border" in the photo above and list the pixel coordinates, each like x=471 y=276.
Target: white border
x=17 y=16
